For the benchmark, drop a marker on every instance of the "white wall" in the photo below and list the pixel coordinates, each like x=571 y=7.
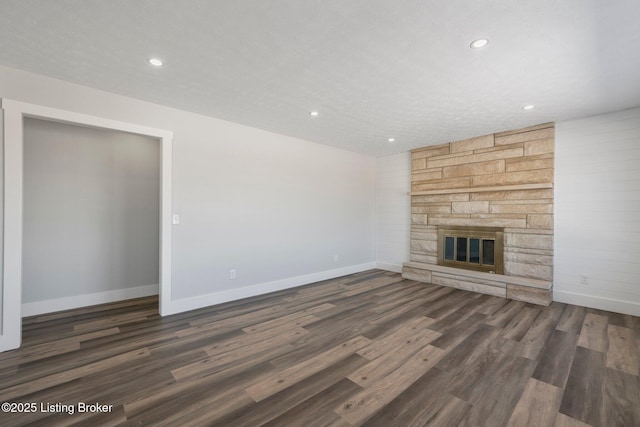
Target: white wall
x=1 y=215
x=597 y=212
x=393 y=210
x=274 y=208
x=91 y=211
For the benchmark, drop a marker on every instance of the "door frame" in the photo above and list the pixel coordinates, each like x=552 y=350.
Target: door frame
x=11 y=296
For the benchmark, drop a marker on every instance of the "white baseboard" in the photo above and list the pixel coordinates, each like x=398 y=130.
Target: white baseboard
x=617 y=306
x=396 y=268
x=186 y=304
x=178 y=306
x=67 y=303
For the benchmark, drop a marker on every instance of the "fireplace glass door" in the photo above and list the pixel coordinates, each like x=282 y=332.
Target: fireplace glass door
x=471 y=248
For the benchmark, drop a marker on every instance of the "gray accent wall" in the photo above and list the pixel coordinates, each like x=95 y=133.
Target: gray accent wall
x=91 y=210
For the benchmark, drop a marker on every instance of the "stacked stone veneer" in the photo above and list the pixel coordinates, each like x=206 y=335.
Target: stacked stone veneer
x=499 y=180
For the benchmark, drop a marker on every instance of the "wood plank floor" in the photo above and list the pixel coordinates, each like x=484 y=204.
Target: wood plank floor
x=366 y=349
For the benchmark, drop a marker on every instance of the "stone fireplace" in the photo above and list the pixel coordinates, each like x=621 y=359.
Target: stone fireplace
x=468 y=197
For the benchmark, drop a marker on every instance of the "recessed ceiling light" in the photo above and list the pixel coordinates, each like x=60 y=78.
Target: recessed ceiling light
x=477 y=44
x=156 y=62
x=314 y=114
x=528 y=107
x=391 y=140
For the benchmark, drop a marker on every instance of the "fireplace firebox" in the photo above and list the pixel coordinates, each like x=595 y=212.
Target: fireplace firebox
x=471 y=248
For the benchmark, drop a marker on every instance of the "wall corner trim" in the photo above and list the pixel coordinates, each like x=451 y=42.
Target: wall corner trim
x=389 y=266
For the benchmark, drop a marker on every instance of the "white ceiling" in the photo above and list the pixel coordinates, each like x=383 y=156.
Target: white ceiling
x=374 y=69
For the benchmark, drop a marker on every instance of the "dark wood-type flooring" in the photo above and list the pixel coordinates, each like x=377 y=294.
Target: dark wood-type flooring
x=366 y=349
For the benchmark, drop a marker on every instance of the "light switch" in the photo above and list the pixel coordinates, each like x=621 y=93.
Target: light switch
x=176 y=219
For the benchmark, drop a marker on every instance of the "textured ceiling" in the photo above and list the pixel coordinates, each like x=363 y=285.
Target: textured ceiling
x=374 y=69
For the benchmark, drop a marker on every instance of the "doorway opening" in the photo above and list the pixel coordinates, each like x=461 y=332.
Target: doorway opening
x=16 y=114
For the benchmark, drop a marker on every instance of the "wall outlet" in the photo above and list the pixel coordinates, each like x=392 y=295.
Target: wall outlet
x=232 y=274
x=584 y=279
x=175 y=219
x=335 y=258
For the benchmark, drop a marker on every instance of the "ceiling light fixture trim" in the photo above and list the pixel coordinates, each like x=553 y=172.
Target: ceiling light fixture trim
x=479 y=43
x=156 y=62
